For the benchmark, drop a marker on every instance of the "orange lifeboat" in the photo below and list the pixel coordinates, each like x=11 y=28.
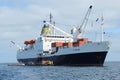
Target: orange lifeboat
x=29 y=42
x=32 y=41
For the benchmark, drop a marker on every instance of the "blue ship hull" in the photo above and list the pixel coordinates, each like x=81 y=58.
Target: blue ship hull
x=78 y=59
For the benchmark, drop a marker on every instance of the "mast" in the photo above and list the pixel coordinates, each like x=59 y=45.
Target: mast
x=51 y=22
x=54 y=28
x=51 y=18
x=102 y=28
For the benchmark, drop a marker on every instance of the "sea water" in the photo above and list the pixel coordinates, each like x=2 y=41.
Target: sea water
x=110 y=71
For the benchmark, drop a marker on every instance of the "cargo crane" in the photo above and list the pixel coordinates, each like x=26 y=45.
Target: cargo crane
x=78 y=31
x=85 y=20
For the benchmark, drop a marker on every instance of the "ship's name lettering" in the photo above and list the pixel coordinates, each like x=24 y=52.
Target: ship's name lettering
x=76 y=49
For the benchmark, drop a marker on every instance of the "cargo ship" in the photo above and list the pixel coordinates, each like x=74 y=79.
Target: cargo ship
x=63 y=50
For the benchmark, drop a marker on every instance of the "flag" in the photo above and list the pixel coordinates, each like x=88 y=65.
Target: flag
x=97 y=19
x=100 y=19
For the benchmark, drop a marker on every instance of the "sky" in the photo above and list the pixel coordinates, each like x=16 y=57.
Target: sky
x=22 y=20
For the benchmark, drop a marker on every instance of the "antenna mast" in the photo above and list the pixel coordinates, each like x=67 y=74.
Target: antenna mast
x=53 y=30
x=51 y=18
x=102 y=28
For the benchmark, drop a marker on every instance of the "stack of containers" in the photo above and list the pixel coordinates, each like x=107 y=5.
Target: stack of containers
x=80 y=42
x=69 y=44
x=57 y=44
